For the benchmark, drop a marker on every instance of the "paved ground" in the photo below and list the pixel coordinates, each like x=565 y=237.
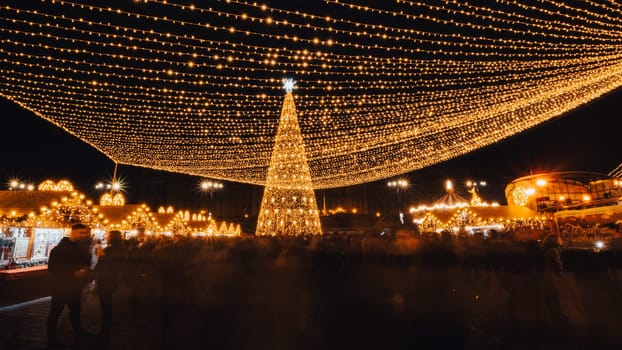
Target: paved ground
x=364 y=307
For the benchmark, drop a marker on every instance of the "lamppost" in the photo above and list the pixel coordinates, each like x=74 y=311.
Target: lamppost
x=473 y=188
x=210 y=187
x=112 y=190
x=16 y=185
x=474 y=185
x=399 y=185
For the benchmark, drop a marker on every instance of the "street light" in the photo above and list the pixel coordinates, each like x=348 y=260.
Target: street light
x=15 y=185
x=474 y=185
x=210 y=186
x=113 y=190
x=399 y=185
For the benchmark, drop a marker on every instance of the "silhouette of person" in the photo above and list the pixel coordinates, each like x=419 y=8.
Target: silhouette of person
x=68 y=268
x=553 y=266
x=107 y=270
x=136 y=272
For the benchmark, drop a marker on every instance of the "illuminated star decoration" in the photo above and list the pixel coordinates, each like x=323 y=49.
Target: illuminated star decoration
x=289 y=85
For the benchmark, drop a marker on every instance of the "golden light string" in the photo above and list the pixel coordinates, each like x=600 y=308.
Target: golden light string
x=592 y=90
x=514 y=43
x=365 y=113
x=338 y=58
x=110 y=94
x=616 y=172
x=68 y=108
x=597 y=16
x=296 y=39
x=360 y=84
x=572 y=27
x=486 y=67
x=605 y=7
x=307 y=99
x=81 y=103
x=200 y=25
x=473 y=69
x=456 y=23
x=134 y=30
x=363 y=65
x=421 y=130
x=575 y=25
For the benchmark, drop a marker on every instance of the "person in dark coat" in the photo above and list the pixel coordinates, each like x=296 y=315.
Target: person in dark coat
x=553 y=267
x=136 y=274
x=107 y=270
x=68 y=269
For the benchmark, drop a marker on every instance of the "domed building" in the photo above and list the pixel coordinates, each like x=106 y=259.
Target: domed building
x=581 y=205
x=563 y=190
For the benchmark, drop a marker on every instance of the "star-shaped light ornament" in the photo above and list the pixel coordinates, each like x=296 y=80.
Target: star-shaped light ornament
x=289 y=85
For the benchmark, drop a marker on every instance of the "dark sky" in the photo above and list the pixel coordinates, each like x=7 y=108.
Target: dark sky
x=586 y=139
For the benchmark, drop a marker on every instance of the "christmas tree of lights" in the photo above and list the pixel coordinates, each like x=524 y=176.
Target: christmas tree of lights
x=288 y=206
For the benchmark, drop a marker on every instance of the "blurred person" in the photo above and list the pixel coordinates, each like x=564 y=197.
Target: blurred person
x=96 y=251
x=110 y=263
x=68 y=269
x=136 y=273
x=552 y=269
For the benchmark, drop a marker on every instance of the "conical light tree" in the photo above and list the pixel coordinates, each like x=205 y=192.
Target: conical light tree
x=288 y=206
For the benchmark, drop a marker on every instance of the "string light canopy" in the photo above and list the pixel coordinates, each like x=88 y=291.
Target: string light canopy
x=617 y=172
x=385 y=87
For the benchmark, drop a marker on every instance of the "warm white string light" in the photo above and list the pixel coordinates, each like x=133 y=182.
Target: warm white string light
x=382 y=88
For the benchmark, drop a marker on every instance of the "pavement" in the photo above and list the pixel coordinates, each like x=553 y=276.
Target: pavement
x=299 y=306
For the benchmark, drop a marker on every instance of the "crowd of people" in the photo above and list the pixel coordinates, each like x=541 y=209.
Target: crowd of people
x=176 y=272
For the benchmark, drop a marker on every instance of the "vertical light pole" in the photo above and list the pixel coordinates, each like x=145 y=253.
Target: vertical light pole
x=474 y=186
x=399 y=185
x=16 y=185
x=210 y=187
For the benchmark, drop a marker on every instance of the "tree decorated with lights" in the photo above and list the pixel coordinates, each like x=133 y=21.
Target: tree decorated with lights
x=288 y=206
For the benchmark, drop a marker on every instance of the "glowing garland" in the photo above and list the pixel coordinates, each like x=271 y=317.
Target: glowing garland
x=385 y=88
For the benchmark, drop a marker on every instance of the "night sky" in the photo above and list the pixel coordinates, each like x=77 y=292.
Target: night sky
x=583 y=140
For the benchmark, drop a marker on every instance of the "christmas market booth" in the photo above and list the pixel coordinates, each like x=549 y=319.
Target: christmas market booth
x=455 y=216
x=132 y=218
x=33 y=220
x=199 y=224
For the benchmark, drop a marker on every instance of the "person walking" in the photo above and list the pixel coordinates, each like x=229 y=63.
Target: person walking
x=109 y=265
x=68 y=269
x=136 y=274
x=552 y=269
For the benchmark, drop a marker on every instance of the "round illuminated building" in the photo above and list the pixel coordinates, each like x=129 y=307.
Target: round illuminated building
x=563 y=190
